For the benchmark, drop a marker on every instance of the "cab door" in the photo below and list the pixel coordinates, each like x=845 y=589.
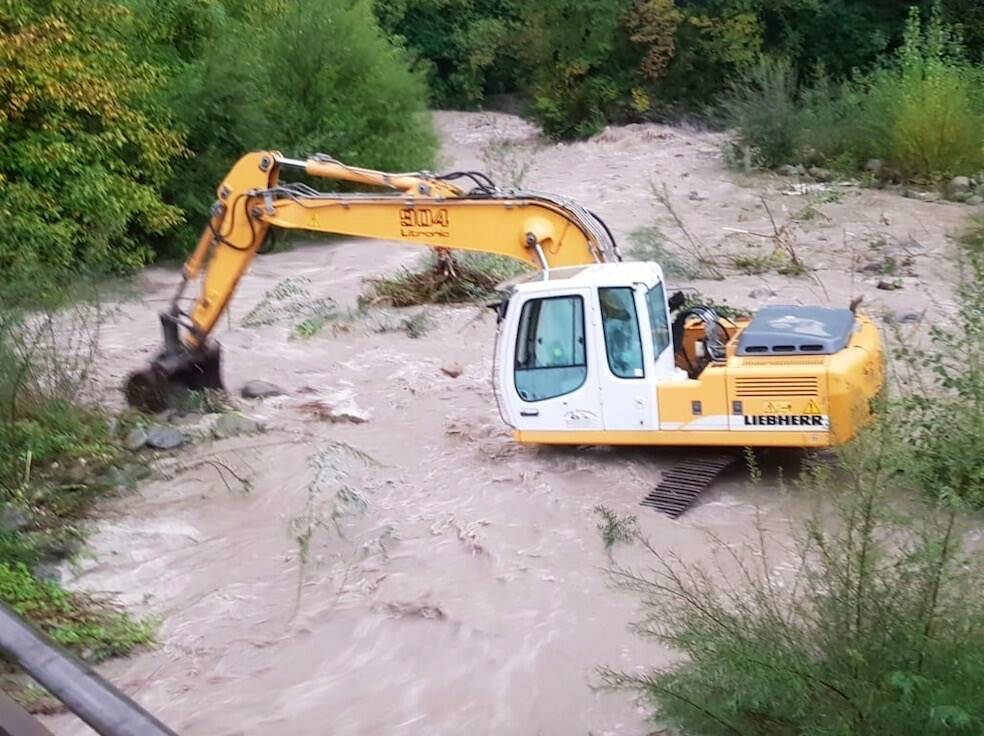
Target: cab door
x=628 y=367
x=548 y=372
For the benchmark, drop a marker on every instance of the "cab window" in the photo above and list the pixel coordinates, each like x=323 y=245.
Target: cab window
x=623 y=342
x=550 y=352
x=658 y=321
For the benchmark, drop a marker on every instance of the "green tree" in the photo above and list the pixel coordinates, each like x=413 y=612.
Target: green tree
x=465 y=46
x=315 y=77
x=83 y=149
x=580 y=63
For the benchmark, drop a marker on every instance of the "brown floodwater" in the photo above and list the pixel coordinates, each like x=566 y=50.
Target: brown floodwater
x=419 y=573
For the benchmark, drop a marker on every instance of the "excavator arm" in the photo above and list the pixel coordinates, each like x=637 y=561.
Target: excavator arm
x=420 y=209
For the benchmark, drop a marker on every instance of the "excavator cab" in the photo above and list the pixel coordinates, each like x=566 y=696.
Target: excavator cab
x=582 y=349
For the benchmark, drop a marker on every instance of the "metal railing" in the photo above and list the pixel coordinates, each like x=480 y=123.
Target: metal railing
x=104 y=708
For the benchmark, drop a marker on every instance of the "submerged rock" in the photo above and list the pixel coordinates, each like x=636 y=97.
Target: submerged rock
x=452 y=369
x=232 y=425
x=124 y=477
x=135 y=439
x=260 y=390
x=163 y=437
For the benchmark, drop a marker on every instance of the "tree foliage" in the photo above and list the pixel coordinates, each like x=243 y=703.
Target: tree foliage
x=83 y=149
x=581 y=63
x=315 y=77
x=119 y=119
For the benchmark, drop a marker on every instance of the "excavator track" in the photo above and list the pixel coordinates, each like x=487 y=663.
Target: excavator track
x=681 y=484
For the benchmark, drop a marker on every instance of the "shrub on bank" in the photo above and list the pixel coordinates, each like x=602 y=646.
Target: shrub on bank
x=921 y=116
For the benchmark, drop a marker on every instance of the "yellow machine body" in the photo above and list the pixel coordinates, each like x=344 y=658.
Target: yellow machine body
x=797 y=401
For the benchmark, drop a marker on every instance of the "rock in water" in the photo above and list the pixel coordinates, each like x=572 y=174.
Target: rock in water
x=47 y=572
x=260 y=390
x=335 y=408
x=902 y=318
x=231 y=425
x=452 y=369
x=163 y=437
x=348 y=412
x=135 y=439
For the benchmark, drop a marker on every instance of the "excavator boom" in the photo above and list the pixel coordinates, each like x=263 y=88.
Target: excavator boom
x=419 y=208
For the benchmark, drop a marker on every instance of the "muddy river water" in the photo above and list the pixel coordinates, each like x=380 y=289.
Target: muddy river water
x=418 y=573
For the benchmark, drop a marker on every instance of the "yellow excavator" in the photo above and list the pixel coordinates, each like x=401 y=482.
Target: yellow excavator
x=591 y=349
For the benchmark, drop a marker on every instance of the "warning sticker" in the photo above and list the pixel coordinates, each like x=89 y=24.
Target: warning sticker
x=778 y=407
x=812 y=408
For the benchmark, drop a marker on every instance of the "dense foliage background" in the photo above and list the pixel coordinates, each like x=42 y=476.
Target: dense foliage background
x=118 y=118
x=581 y=63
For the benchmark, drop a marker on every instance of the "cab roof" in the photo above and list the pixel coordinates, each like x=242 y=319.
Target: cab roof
x=592 y=275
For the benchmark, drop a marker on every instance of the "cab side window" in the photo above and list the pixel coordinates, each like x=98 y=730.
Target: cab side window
x=623 y=342
x=550 y=352
x=658 y=320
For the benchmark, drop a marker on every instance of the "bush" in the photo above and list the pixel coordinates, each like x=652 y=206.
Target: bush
x=764 y=110
x=936 y=105
x=872 y=626
x=313 y=77
x=75 y=620
x=47 y=354
x=83 y=152
x=49 y=440
x=444 y=278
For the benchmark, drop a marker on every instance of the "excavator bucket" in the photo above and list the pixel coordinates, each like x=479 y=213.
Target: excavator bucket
x=171 y=374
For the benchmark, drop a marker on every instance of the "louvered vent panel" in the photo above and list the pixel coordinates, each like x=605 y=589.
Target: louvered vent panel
x=769 y=387
x=783 y=361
